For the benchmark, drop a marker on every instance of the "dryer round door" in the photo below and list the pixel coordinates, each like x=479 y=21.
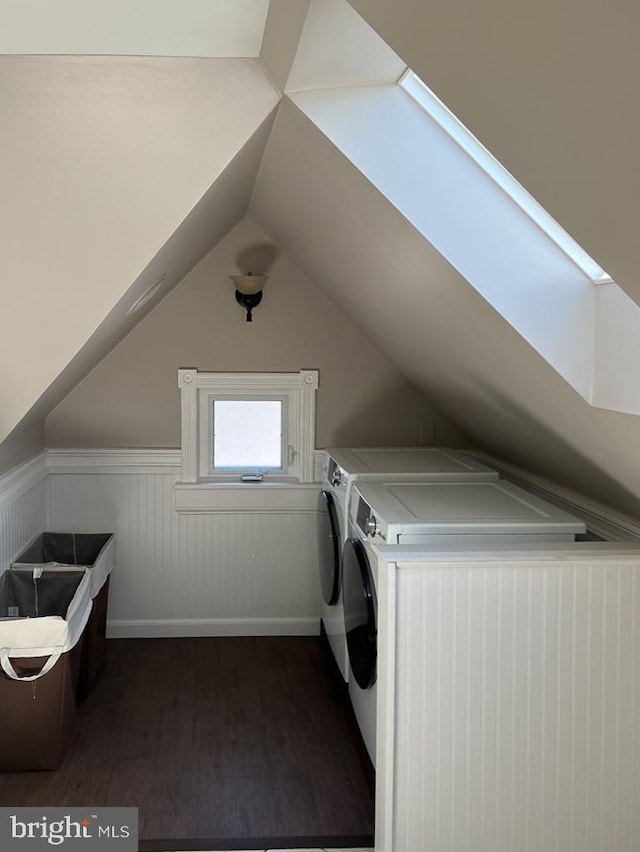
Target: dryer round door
x=329 y=546
x=359 y=613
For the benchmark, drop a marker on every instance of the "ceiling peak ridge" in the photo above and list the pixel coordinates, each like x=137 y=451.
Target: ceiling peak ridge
x=341 y=87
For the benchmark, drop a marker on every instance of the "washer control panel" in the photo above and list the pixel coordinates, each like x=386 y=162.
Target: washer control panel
x=365 y=518
x=335 y=475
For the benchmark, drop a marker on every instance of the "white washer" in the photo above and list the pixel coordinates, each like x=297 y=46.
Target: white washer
x=331 y=535
x=430 y=515
x=344 y=466
x=341 y=468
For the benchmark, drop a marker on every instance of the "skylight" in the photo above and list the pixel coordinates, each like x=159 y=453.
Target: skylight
x=434 y=107
x=479 y=224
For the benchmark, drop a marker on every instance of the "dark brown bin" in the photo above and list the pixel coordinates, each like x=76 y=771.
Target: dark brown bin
x=93 y=551
x=94 y=649
x=37 y=717
x=38 y=711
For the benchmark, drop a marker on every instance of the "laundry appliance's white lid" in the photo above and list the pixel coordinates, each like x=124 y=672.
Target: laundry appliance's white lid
x=472 y=507
x=440 y=463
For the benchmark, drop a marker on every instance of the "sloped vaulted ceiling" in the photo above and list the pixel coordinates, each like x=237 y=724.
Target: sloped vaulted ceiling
x=411 y=302
x=519 y=80
x=103 y=159
x=430 y=323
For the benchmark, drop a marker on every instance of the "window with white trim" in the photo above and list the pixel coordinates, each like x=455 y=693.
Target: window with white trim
x=462 y=136
x=248 y=424
x=247 y=435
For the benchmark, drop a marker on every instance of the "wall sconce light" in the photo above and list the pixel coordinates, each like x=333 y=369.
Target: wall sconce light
x=249 y=291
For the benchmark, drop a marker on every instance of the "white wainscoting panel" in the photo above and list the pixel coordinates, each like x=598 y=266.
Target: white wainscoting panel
x=23 y=507
x=193 y=575
x=517 y=719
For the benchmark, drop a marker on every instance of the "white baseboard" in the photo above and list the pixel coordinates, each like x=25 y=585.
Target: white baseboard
x=170 y=628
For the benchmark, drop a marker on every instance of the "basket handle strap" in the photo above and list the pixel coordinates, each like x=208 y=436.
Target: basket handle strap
x=9 y=670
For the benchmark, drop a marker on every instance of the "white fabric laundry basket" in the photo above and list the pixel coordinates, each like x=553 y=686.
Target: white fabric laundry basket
x=43 y=616
x=94 y=552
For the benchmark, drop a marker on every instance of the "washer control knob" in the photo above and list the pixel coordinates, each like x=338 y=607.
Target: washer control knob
x=371 y=526
x=336 y=478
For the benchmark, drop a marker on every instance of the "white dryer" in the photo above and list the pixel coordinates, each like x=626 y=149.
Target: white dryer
x=360 y=596
x=402 y=512
x=341 y=468
x=428 y=515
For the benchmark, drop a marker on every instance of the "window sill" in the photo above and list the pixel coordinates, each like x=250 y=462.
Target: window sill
x=225 y=496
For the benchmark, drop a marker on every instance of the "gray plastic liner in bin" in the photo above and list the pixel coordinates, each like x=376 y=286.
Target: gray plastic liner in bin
x=94 y=552
x=43 y=616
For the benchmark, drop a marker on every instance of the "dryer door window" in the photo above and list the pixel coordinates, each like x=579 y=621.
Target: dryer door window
x=359 y=613
x=329 y=546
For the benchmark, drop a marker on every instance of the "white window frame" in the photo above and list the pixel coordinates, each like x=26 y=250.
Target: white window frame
x=197 y=392
x=207 y=429
x=451 y=124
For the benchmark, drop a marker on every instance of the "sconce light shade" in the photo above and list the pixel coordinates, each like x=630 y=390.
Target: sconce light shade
x=249 y=291
x=249 y=284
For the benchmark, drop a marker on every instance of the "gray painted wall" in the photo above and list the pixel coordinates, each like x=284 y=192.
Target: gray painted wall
x=131 y=398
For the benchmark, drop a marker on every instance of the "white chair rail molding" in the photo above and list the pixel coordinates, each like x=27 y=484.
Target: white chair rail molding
x=247 y=442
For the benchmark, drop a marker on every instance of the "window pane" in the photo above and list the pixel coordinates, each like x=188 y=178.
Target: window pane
x=247 y=434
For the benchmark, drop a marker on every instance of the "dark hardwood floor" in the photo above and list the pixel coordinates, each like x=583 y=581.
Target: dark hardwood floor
x=214 y=739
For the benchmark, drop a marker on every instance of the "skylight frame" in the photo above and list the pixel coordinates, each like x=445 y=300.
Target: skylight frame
x=455 y=129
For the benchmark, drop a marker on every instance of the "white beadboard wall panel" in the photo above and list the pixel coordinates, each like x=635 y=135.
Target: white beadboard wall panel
x=23 y=514
x=213 y=574
x=516 y=708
